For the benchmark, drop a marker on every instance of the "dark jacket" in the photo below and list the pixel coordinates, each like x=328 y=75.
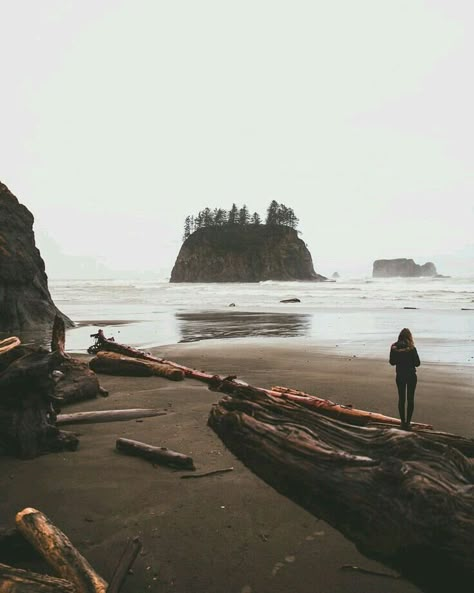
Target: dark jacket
x=404 y=358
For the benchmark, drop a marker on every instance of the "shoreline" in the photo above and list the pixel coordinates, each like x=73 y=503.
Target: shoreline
x=229 y=532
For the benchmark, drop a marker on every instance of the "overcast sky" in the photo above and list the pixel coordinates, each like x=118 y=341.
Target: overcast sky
x=119 y=118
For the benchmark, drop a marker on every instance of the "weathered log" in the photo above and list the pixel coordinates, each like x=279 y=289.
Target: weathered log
x=130 y=367
x=78 y=383
x=160 y=455
x=125 y=563
x=403 y=499
x=59 y=552
x=107 y=416
x=8 y=344
x=16 y=580
x=118 y=364
x=105 y=345
x=338 y=411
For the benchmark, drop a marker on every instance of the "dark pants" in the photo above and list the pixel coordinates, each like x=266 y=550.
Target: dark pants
x=406 y=393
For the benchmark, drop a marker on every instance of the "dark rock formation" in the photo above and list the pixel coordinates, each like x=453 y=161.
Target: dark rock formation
x=25 y=302
x=243 y=253
x=407 y=268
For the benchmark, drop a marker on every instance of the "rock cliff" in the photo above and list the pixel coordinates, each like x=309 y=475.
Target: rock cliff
x=25 y=302
x=243 y=253
x=407 y=268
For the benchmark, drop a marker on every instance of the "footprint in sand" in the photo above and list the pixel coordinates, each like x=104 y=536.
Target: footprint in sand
x=277 y=567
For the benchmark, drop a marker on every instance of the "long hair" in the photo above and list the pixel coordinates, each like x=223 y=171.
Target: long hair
x=405 y=336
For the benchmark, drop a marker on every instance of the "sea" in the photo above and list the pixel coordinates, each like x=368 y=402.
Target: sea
x=350 y=317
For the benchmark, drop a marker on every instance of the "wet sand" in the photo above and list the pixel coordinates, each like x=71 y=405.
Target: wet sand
x=228 y=532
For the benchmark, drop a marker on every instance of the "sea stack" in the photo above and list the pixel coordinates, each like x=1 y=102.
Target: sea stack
x=406 y=268
x=244 y=253
x=25 y=301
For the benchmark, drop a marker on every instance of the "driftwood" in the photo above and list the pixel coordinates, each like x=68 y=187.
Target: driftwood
x=209 y=473
x=59 y=552
x=160 y=455
x=16 y=580
x=403 y=499
x=107 y=416
x=33 y=384
x=103 y=344
x=27 y=415
x=8 y=344
x=113 y=363
x=337 y=411
x=125 y=563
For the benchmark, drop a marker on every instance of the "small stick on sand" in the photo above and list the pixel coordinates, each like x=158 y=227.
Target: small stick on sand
x=211 y=473
x=372 y=572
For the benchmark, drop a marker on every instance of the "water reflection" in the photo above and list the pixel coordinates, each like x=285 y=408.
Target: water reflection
x=210 y=326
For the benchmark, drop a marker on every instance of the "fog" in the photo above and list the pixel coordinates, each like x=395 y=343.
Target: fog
x=118 y=119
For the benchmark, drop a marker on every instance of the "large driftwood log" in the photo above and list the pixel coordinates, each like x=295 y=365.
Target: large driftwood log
x=337 y=411
x=103 y=344
x=113 y=363
x=403 y=499
x=107 y=416
x=16 y=580
x=59 y=552
x=160 y=455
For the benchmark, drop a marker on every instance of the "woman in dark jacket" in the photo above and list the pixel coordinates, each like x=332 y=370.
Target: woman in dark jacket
x=404 y=356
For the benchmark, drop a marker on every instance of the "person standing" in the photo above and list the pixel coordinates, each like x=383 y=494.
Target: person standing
x=404 y=356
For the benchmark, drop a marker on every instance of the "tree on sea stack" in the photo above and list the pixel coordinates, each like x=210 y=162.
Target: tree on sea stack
x=277 y=215
x=234 y=246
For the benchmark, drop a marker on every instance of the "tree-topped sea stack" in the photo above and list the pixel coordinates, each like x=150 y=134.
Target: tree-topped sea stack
x=25 y=302
x=234 y=246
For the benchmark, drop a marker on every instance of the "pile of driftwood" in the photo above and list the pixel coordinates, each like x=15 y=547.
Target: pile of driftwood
x=113 y=358
x=73 y=573
x=404 y=498
x=34 y=386
x=34 y=382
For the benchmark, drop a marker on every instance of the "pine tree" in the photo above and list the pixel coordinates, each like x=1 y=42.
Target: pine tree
x=233 y=214
x=220 y=216
x=207 y=218
x=255 y=218
x=187 y=227
x=272 y=213
x=244 y=215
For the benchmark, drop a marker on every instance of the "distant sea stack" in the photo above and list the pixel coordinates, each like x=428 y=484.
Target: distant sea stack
x=25 y=302
x=406 y=268
x=244 y=253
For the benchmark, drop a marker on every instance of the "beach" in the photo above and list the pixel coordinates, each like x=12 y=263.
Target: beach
x=228 y=532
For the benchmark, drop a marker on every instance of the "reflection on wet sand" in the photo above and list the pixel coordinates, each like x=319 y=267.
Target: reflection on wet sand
x=210 y=326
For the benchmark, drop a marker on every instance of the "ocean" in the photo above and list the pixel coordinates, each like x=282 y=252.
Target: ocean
x=351 y=317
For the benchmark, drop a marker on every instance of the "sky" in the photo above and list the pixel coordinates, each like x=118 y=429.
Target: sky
x=120 y=118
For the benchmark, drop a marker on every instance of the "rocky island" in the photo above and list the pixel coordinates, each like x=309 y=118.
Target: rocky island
x=25 y=301
x=405 y=268
x=238 y=248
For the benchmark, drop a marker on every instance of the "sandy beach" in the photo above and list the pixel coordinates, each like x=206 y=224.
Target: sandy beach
x=228 y=532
